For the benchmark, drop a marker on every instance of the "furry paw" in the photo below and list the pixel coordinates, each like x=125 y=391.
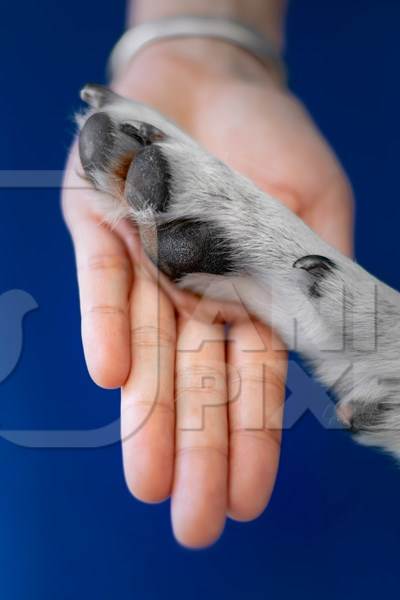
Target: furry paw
x=156 y=176
x=200 y=221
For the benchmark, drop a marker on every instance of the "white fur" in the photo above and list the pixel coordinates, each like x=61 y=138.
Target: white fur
x=353 y=327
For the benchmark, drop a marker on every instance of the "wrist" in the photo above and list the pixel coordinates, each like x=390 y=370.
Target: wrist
x=266 y=16
x=197 y=60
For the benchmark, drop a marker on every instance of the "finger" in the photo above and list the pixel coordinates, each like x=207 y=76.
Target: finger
x=200 y=483
x=147 y=403
x=104 y=277
x=255 y=416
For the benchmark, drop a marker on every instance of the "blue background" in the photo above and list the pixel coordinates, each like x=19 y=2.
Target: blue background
x=68 y=526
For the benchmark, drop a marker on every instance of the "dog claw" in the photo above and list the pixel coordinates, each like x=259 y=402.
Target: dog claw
x=97 y=96
x=318 y=267
x=315 y=264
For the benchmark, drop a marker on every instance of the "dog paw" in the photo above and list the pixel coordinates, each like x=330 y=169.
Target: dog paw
x=195 y=215
x=198 y=220
x=156 y=176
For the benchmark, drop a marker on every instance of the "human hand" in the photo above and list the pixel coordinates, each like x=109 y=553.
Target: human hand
x=133 y=335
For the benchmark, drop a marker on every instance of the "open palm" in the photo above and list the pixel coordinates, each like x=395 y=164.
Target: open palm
x=188 y=427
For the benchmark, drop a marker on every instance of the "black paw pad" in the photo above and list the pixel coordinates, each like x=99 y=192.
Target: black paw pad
x=102 y=147
x=147 y=181
x=96 y=141
x=318 y=267
x=188 y=246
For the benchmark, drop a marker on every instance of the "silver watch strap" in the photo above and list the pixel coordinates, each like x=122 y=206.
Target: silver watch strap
x=226 y=30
